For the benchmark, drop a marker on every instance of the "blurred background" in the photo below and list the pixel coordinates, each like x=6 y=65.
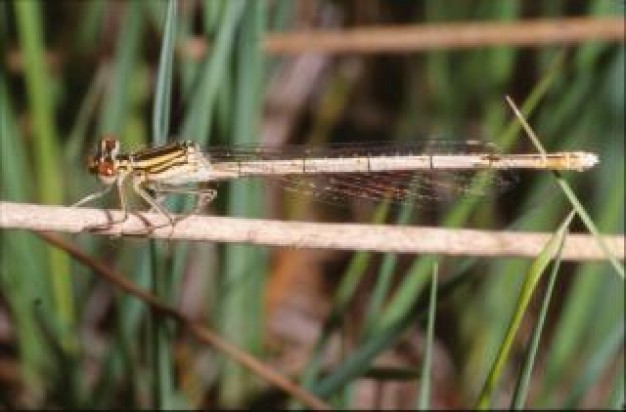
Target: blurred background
x=349 y=327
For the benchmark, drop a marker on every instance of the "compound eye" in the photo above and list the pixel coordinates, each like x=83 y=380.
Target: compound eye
x=105 y=169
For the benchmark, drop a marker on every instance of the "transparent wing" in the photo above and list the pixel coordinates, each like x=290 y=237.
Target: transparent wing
x=342 y=150
x=422 y=189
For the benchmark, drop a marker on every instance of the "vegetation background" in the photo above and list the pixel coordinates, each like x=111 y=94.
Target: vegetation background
x=351 y=328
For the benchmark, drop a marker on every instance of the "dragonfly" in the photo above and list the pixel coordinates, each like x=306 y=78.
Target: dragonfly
x=399 y=173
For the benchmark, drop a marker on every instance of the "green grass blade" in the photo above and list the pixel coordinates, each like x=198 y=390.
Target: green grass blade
x=23 y=257
x=38 y=86
x=424 y=402
x=163 y=390
x=160 y=331
x=521 y=388
x=197 y=123
x=16 y=180
x=532 y=278
x=163 y=92
x=244 y=266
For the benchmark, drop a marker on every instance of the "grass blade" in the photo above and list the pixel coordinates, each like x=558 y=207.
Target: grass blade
x=163 y=390
x=244 y=266
x=521 y=388
x=22 y=256
x=532 y=278
x=163 y=92
x=46 y=154
x=425 y=395
x=197 y=123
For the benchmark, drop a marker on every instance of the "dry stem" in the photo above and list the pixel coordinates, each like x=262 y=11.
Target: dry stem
x=413 y=38
x=379 y=238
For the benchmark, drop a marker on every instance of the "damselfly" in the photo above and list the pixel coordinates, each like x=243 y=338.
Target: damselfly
x=398 y=173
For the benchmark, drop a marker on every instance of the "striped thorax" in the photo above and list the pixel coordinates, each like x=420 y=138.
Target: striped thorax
x=164 y=164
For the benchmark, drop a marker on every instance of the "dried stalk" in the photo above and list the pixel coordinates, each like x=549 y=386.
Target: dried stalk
x=379 y=238
x=399 y=39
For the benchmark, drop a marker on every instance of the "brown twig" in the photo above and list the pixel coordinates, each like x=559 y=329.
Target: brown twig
x=198 y=330
x=379 y=238
x=414 y=38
